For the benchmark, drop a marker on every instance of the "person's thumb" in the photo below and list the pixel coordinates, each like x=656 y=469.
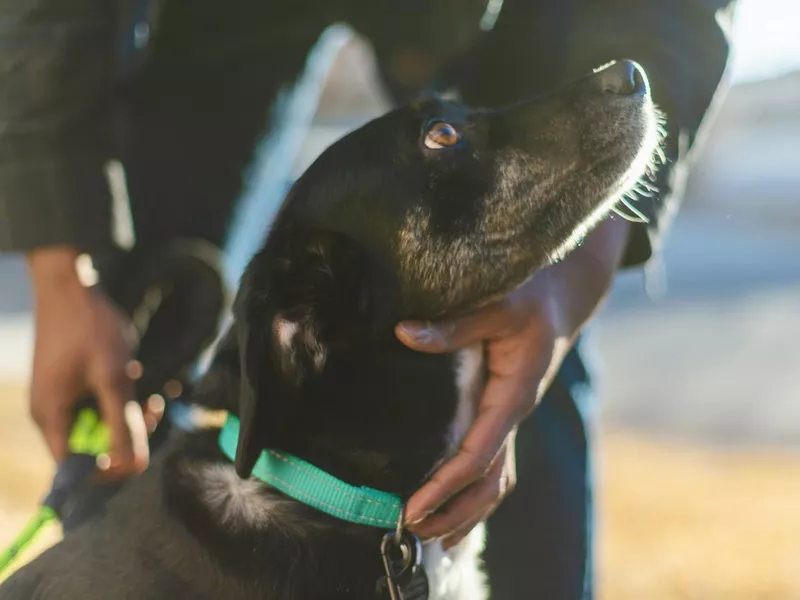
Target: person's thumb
x=448 y=336
x=425 y=336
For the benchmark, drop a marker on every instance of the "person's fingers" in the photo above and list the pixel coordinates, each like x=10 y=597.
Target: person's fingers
x=499 y=483
x=153 y=412
x=489 y=322
x=53 y=421
x=465 y=510
x=110 y=466
x=113 y=393
x=458 y=536
x=134 y=417
x=498 y=414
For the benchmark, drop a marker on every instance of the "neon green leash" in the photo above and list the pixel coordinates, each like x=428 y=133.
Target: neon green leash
x=89 y=434
x=89 y=437
x=26 y=536
x=312 y=486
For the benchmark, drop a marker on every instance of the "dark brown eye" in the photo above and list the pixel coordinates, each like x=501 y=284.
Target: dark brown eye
x=441 y=135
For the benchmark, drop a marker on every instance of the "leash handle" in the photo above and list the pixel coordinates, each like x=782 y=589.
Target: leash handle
x=89 y=438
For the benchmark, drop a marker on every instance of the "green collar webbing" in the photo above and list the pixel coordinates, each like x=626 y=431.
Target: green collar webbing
x=312 y=486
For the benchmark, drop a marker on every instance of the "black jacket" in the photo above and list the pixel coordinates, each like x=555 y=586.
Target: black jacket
x=60 y=62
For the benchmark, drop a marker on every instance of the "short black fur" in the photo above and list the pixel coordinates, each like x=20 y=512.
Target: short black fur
x=382 y=227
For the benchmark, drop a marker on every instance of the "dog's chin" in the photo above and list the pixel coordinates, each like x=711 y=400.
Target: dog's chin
x=622 y=158
x=627 y=154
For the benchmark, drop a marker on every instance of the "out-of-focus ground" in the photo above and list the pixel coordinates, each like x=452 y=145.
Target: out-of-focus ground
x=700 y=428
x=681 y=522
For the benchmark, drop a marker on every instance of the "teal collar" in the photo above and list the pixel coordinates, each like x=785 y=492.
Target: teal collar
x=312 y=486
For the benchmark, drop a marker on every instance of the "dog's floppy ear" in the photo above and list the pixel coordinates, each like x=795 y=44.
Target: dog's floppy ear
x=297 y=297
x=278 y=354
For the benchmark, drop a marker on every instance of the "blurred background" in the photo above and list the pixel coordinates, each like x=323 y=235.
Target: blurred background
x=699 y=436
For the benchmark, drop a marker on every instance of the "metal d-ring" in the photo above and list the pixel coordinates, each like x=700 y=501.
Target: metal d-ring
x=409 y=572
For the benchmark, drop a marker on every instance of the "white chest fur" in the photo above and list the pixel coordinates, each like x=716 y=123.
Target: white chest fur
x=456 y=574
x=470 y=376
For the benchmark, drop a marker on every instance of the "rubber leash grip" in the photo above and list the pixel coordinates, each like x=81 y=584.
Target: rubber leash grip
x=71 y=472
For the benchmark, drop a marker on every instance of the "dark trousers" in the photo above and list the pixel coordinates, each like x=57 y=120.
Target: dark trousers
x=187 y=126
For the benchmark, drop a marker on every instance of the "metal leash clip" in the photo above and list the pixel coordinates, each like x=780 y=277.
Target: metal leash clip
x=404 y=576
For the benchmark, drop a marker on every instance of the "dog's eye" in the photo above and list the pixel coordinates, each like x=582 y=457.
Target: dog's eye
x=441 y=135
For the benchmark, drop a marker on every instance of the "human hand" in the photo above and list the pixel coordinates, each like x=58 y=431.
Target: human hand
x=526 y=337
x=521 y=337
x=84 y=344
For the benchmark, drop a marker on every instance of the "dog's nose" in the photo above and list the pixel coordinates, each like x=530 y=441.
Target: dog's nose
x=623 y=78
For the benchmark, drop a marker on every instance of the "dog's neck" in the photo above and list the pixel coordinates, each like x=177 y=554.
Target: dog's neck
x=380 y=415
x=323 y=374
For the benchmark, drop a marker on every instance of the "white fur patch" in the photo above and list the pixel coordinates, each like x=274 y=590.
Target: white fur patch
x=470 y=378
x=239 y=503
x=455 y=574
x=284 y=333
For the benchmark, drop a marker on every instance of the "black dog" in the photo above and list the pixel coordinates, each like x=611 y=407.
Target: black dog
x=427 y=212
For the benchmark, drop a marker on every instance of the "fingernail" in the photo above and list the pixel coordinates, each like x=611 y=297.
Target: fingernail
x=103 y=462
x=416 y=518
x=419 y=333
x=427 y=334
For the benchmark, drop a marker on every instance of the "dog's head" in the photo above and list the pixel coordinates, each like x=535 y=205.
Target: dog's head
x=429 y=211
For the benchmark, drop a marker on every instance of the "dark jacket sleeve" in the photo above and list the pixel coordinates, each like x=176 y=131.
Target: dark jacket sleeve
x=682 y=45
x=56 y=67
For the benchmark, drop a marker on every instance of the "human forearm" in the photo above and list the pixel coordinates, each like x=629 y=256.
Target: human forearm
x=564 y=296
x=577 y=285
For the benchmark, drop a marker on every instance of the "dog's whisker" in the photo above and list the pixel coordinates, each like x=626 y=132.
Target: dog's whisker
x=630 y=218
x=661 y=156
x=644 y=186
x=624 y=215
x=635 y=215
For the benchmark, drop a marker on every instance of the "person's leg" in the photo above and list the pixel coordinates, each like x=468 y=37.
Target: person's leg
x=539 y=542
